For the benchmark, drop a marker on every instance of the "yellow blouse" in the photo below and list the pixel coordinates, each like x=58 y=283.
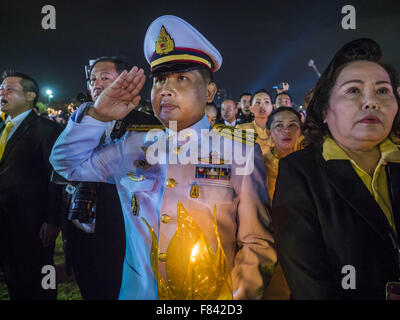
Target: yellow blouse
x=263 y=137
x=271 y=162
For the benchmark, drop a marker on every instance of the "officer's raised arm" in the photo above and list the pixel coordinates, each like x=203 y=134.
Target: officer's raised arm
x=80 y=139
x=74 y=156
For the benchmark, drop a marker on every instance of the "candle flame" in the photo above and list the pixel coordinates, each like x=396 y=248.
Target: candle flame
x=195 y=252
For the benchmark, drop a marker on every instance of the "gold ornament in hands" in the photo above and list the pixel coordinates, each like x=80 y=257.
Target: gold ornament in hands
x=194 y=271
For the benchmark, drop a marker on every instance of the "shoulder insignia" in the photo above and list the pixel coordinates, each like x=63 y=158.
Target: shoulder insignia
x=145 y=127
x=240 y=135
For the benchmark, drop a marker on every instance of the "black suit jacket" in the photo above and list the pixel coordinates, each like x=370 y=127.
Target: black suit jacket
x=26 y=193
x=324 y=218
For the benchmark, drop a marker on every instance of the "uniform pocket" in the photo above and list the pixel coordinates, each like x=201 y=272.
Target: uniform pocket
x=213 y=192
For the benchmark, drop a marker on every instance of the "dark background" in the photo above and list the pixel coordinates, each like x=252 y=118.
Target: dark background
x=261 y=42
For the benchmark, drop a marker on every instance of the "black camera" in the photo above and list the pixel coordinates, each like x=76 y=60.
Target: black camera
x=83 y=97
x=83 y=202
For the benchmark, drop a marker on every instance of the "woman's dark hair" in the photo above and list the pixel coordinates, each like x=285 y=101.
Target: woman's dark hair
x=282 y=109
x=259 y=91
x=361 y=49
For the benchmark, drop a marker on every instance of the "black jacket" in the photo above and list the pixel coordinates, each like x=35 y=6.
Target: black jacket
x=25 y=171
x=244 y=119
x=324 y=218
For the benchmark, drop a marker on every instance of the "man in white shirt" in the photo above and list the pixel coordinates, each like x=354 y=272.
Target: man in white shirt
x=226 y=199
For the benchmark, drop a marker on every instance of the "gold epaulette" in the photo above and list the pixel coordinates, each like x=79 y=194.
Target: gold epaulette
x=145 y=127
x=2 y=115
x=240 y=135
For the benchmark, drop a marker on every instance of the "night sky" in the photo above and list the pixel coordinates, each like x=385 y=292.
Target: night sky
x=261 y=42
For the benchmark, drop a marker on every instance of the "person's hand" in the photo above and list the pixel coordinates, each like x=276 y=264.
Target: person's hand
x=120 y=98
x=243 y=294
x=48 y=233
x=285 y=88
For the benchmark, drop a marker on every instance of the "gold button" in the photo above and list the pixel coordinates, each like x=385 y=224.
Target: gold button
x=165 y=218
x=162 y=257
x=135 y=205
x=142 y=164
x=177 y=150
x=171 y=183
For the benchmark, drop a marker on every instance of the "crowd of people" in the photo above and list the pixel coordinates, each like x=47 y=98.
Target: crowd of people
x=320 y=190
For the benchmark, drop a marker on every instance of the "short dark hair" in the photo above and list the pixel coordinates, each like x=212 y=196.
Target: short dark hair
x=282 y=109
x=206 y=74
x=28 y=83
x=282 y=93
x=226 y=99
x=244 y=94
x=259 y=91
x=357 y=50
x=120 y=63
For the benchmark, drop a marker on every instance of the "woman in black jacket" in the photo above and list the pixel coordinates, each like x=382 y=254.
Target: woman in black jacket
x=336 y=206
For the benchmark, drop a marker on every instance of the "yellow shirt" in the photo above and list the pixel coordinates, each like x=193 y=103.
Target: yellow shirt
x=299 y=143
x=377 y=185
x=271 y=162
x=263 y=137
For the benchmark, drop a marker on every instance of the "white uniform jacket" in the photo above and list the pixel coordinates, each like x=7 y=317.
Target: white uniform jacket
x=151 y=191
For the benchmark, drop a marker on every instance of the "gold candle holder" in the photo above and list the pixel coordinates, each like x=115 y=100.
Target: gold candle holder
x=194 y=271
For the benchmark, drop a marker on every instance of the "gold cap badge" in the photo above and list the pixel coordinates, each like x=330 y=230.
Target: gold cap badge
x=164 y=44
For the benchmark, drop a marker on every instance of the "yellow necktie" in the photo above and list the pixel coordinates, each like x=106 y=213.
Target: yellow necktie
x=3 y=138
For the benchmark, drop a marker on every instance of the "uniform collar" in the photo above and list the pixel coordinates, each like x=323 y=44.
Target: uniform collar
x=196 y=128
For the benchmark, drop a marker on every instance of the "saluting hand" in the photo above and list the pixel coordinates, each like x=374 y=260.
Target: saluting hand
x=120 y=98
